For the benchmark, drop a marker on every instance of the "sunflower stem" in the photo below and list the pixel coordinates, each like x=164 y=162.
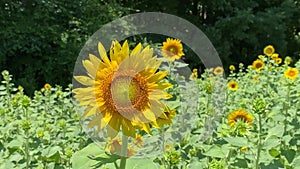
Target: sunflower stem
x=259 y=142
x=124 y=152
x=286 y=107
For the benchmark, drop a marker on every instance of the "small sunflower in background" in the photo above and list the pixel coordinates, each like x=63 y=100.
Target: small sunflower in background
x=172 y=49
x=278 y=60
x=239 y=115
x=47 y=86
x=123 y=93
x=115 y=147
x=291 y=73
x=218 y=70
x=256 y=78
x=287 y=60
x=269 y=50
x=20 y=88
x=194 y=74
x=233 y=85
x=258 y=65
x=274 y=56
x=232 y=67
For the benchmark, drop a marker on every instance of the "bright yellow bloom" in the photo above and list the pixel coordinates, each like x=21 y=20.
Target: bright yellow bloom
x=233 y=85
x=255 y=78
x=172 y=49
x=278 y=60
x=218 y=70
x=232 y=67
x=260 y=56
x=258 y=65
x=124 y=92
x=241 y=115
x=274 y=56
x=269 y=50
x=166 y=117
x=291 y=73
x=243 y=149
x=47 y=86
x=194 y=74
x=138 y=140
x=115 y=147
x=20 y=88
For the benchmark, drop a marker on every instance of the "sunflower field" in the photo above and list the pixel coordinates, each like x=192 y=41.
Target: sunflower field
x=250 y=119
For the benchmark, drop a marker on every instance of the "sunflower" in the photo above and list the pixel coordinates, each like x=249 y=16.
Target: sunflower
x=291 y=73
x=241 y=115
x=218 y=70
x=274 y=56
x=260 y=56
x=124 y=92
x=20 y=88
x=256 y=78
x=115 y=147
x=269 y=50
x=47 y=86
x=258 y=65
x=278 y=60
x=194 y=74
x=287 y=60
x=138 y=140
x=231 y=67
x=172 y=49
x=233 y=85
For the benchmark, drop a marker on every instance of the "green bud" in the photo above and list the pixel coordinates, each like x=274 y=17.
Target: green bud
x=26 y=125
x=62 y=123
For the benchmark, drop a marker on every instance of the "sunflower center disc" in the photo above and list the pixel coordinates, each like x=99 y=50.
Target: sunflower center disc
x=129 y=93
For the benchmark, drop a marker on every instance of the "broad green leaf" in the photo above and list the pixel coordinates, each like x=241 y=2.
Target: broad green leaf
x=138 y=163
x=85 y=157
x=215 y=151
x=237 y=141
x=277 y=131
x=289 y=155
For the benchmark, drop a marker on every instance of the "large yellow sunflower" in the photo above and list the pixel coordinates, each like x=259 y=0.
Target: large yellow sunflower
x=172 y=49
x=258 y=65
x=241 y=115
x=291 y=73
x=124 y=92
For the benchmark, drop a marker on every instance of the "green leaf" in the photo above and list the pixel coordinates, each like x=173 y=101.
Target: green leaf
x=277 y=131
x=274 y=152
x=137 y=163
x=270 y=142
x=215 y=151
x=237 y=141
x=289 y=155
x=88 y=156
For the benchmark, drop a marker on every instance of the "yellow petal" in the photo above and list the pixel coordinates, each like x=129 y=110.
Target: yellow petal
x=95 y=60
x=102 y=53
x=83 y=91
x=127 y=128
x=90 y=112
x=136 y=50
x=161 y=86
x=88 y=65
x=157 y=76
x=85 y=80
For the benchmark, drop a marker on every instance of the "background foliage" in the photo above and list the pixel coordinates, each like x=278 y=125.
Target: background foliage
x=40 y=40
